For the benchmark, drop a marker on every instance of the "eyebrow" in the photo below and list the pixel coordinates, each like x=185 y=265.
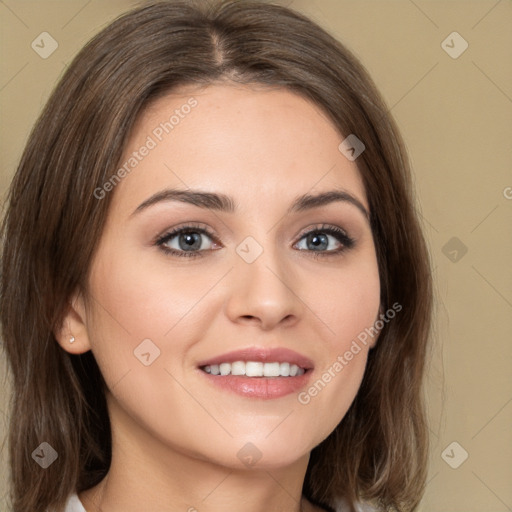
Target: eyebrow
x=223 y=203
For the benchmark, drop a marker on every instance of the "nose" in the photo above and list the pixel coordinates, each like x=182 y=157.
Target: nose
x=264 y=293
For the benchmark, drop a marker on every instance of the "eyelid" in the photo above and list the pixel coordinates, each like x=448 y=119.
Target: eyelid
x=187 y=226
x=320 y=227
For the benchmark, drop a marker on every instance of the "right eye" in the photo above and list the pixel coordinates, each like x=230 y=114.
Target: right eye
x=187 y=241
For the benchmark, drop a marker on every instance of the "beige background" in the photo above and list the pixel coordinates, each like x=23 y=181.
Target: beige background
x=456 y=118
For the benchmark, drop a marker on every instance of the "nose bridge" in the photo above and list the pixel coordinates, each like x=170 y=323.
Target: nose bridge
x=261 y=286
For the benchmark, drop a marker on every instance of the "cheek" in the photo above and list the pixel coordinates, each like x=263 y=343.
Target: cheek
x=357 y=301
x=139 y=306
x=137 y=324
x=349 y=301
x=138 y=299
x=350 y=309
x=130 y=311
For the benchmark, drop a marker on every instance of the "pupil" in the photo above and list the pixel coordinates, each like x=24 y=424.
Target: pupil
x=192 y=241
x=319 y=240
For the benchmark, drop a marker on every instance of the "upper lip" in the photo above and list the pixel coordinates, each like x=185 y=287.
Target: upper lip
x=263 y=355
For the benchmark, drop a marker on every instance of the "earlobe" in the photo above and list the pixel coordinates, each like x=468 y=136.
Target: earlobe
x=72 y=334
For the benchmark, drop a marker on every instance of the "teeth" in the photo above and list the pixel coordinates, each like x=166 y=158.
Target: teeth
x=238 y=368
x=225 y=368
x=271 y=370
x=255 y=369
x=284 y=369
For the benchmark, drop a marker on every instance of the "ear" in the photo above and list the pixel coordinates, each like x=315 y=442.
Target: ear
x=72 y=334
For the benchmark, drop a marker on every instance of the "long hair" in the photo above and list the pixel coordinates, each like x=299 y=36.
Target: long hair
x=53 y=222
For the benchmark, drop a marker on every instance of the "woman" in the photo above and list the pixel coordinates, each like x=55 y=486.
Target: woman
x=215 y=291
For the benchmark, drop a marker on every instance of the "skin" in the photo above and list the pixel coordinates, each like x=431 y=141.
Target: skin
x=175 y=436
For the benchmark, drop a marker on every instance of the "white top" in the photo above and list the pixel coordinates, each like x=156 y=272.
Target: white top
x=75 y=505
x=341 y=506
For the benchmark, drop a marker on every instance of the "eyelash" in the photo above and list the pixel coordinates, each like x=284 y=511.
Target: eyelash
x=342 y=237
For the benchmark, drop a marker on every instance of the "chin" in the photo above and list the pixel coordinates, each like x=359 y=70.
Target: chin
x=254 y=452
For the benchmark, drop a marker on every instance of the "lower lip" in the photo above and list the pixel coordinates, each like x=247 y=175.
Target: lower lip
x=259 y=387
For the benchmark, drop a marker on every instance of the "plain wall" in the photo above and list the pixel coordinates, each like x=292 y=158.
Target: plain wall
x=456 y=118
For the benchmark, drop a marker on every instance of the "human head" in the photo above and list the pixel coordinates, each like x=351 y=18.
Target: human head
x=54 y=222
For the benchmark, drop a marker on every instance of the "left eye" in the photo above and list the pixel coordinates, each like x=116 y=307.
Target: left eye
x=318 y=240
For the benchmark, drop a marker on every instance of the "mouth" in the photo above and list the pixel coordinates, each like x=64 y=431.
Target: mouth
x=258 y=372
x=258 y=362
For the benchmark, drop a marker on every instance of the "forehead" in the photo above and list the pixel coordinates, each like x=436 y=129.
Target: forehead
x=253 y=143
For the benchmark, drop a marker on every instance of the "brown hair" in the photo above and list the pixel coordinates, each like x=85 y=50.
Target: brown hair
x=53 y=222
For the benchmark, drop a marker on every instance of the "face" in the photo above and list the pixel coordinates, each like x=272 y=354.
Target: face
x=175 y=284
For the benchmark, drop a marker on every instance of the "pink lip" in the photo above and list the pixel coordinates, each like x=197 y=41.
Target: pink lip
x=259 y=387
x=263 y=355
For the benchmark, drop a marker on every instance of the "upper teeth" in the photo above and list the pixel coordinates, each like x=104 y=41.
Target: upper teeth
x=255 y=369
